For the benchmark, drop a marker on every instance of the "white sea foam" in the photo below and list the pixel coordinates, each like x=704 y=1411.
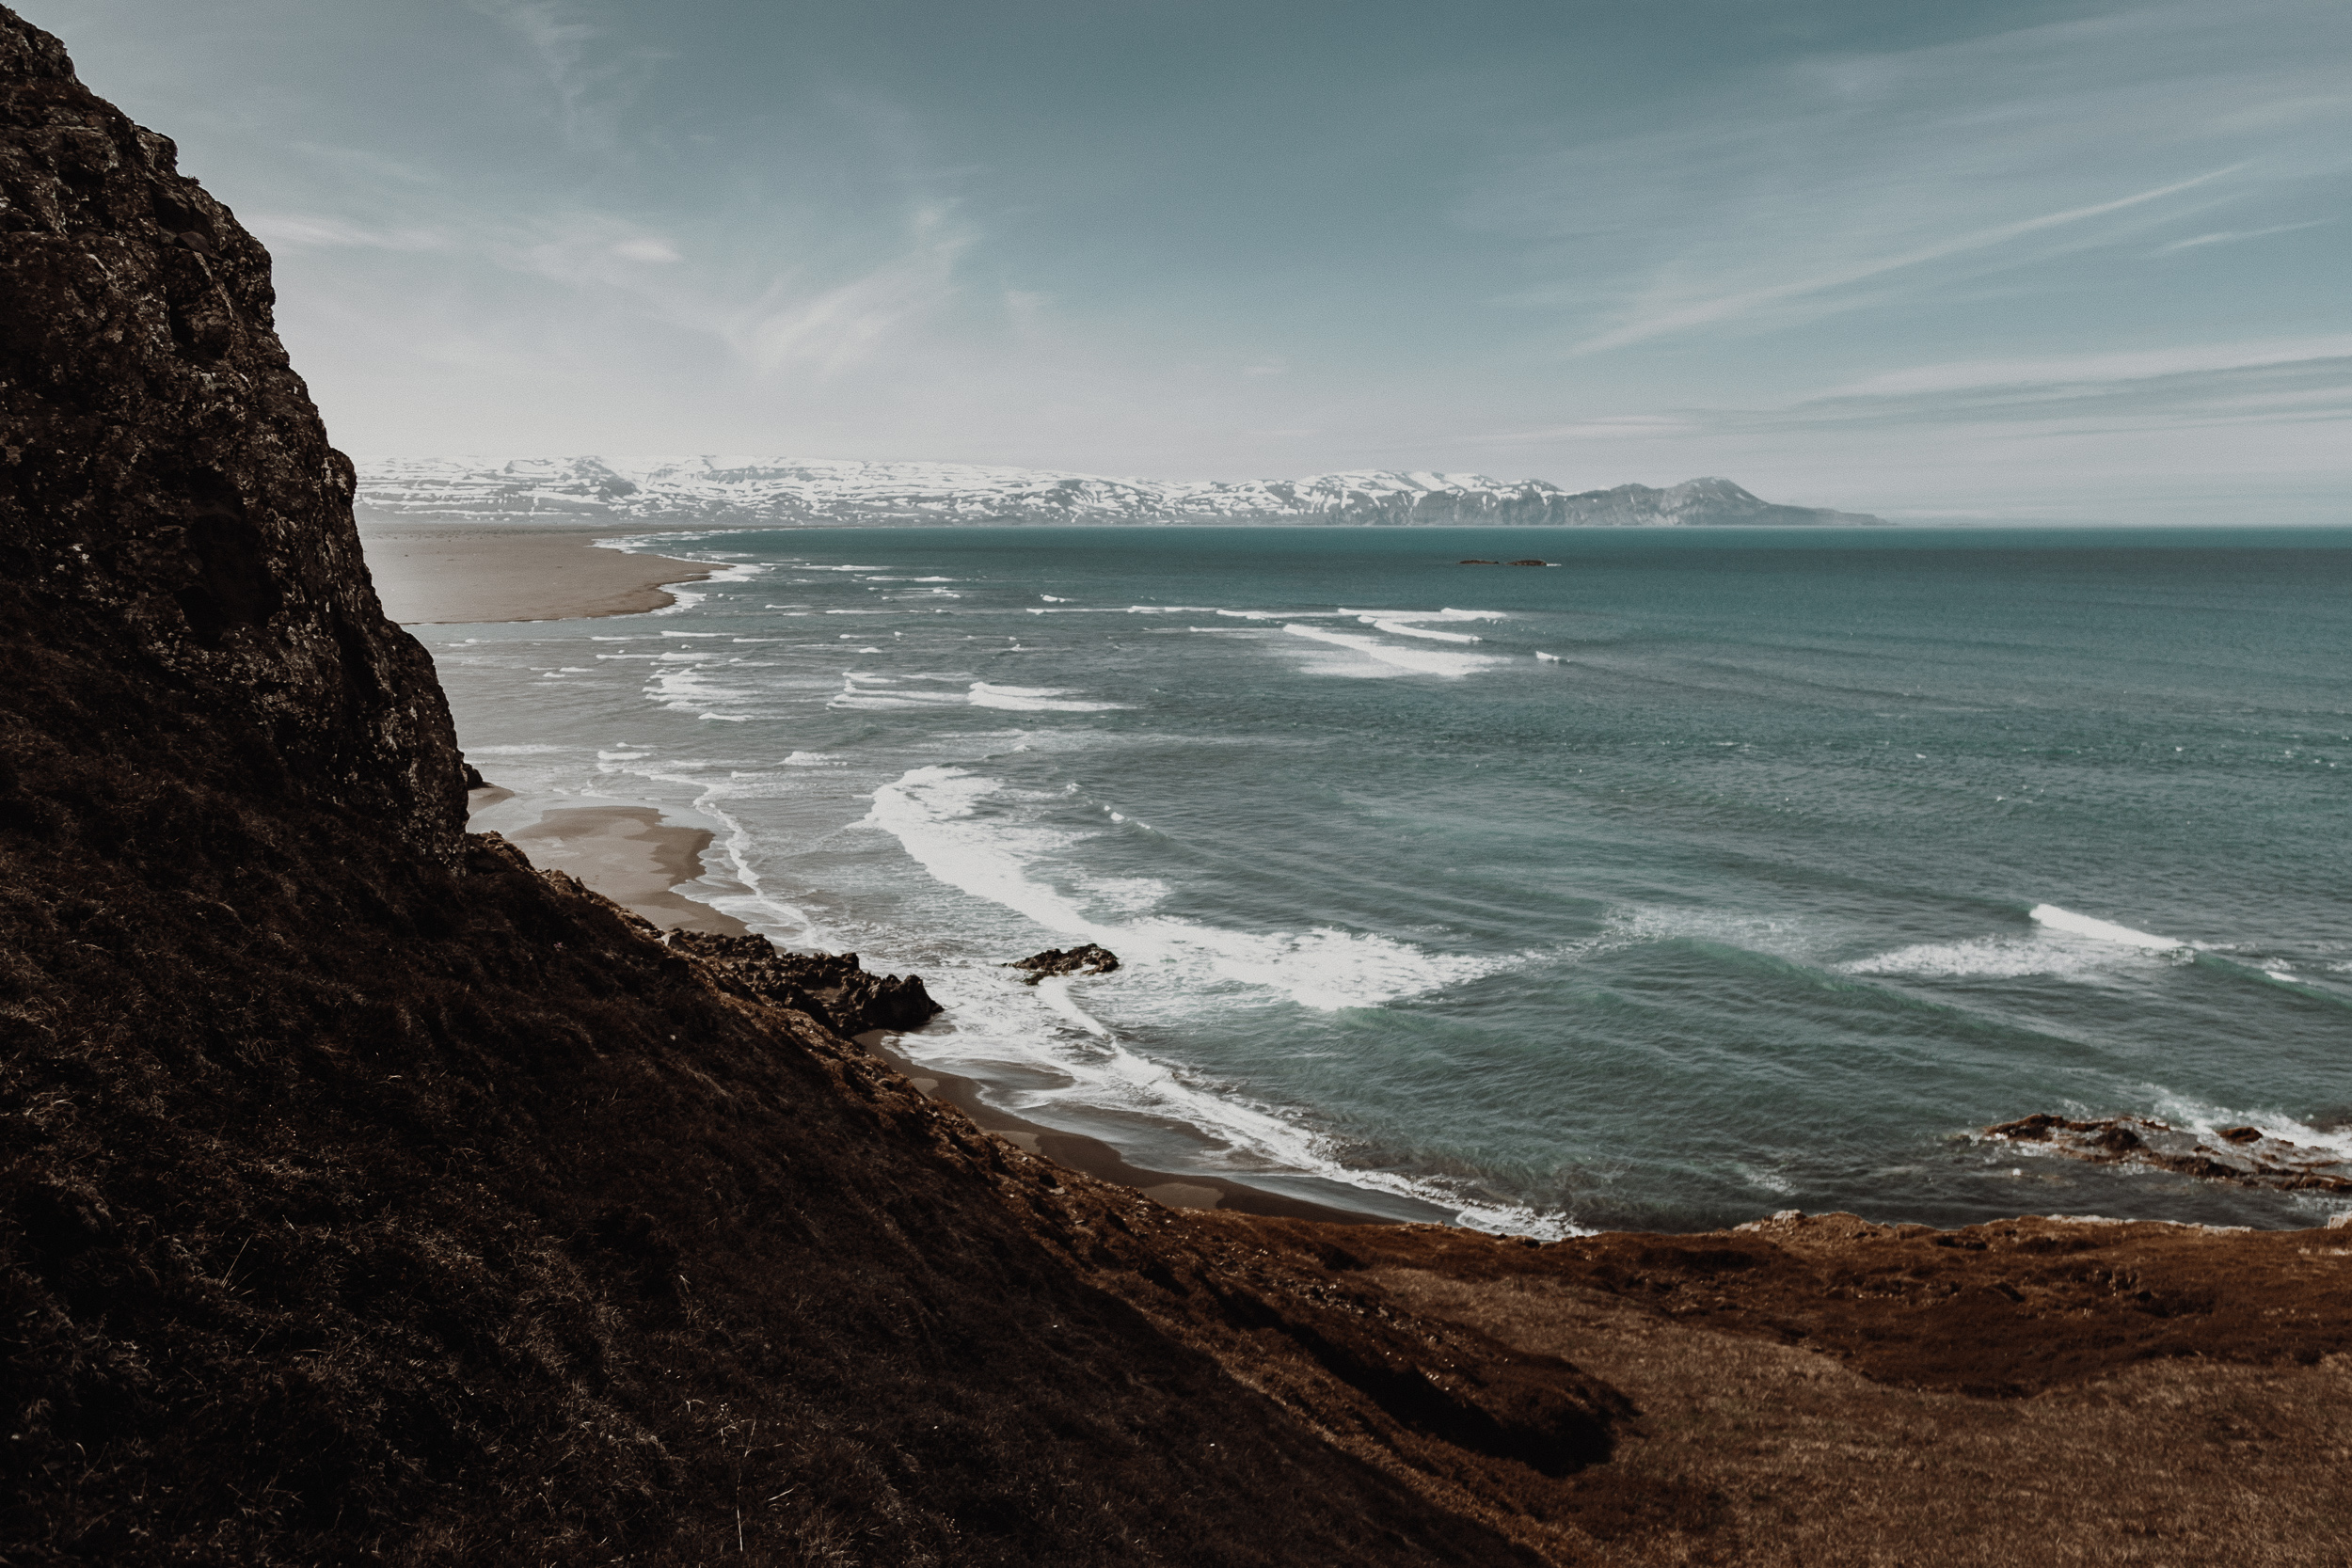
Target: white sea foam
x=1425 y=614
x=1548 y=659
x=693 y=688
x=933 y=812
x=1428 y=662
x=2100 y=930
x=1046 y=1025
x=1400 y=629
x=1032 y=699
x=2000 y=959
x=2202 y=1117
x=756 y=906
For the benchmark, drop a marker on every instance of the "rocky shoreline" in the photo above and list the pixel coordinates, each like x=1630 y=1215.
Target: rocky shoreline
x=366 y=1193
x=2241 y=1156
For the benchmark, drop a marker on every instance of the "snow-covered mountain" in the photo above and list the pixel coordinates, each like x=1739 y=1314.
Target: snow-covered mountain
x=783 y=492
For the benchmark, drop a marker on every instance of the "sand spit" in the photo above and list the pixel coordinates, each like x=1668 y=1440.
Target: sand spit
x=464 y=573
x=632 y=857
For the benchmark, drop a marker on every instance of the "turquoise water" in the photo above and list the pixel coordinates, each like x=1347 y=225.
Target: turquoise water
x=1727 y=906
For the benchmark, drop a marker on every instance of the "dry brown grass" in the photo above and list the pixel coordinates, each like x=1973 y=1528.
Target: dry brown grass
x=1752 y=1452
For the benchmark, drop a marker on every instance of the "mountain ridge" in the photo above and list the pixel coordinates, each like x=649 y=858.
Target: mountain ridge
x=819 y=492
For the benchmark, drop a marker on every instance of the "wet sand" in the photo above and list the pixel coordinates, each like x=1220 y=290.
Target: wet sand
x=1095 y=1158
x=431 y=573
x=632 y=857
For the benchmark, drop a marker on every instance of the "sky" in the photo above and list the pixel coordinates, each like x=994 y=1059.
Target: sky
x=1986 y=260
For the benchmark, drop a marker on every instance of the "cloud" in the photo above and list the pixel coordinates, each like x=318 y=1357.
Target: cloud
x=2299 y=381
x=591 y=79
x=2232 y=236
x=1728 y=307
x=832 y=328
x=648 y=248
x=1851 y=181
x=291 y=229
x=2077 y=370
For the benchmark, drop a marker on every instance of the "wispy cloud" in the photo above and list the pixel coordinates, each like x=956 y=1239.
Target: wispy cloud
x=1868 y=180
x=2232 y=236
x=2275 y=381
x=831 y=329
x=308 y=230
x=591 y=76
x=1748 y=302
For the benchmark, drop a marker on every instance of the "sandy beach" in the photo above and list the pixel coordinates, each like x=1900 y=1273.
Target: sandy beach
x=632 y=857
x=462 y=573
x=443 y=573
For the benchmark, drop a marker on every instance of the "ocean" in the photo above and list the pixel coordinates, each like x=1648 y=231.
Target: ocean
x=1698 y=875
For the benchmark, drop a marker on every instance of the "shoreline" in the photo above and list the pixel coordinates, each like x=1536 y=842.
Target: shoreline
x=633 y=856
x=1091 y=1156
x=630 y=855
x=464 y=574
x=627 y=853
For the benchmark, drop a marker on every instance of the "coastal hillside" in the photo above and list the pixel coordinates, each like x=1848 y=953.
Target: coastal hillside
x=781 y=492
x=365 y=1193
x=370 y=1194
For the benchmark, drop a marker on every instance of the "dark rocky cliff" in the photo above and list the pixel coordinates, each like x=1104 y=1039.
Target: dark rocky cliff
x=366 y=1194
x=171 y=515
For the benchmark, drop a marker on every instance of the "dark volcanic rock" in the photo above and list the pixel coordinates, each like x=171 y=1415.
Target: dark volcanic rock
x=831 y=988
x=1087 y=959
x=2244 y=1155
x=1528 y=562
x=170 y=512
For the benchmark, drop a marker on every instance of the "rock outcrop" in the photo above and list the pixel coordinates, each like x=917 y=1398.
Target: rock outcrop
x=831 y=988
x=1086 y=959
x=2245 y=1156
x=172 y=519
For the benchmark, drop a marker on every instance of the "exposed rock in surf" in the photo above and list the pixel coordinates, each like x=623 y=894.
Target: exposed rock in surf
x=831 y=988
x=1478 y=563
x=1087 y=959
x=2245 y=1156
x=474 y=776
x=1528 y=563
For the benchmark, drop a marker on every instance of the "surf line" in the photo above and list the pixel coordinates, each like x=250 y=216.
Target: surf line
x=2101 y=930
